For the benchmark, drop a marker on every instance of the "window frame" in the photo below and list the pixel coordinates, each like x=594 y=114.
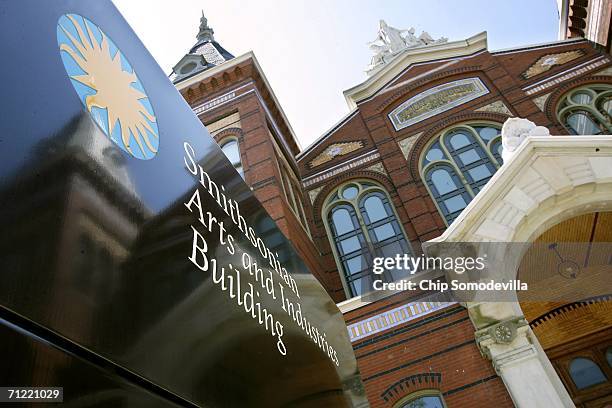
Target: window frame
x=451 y=159
x=333 y=200
x=595 y=353
x=224 y=142
x=430 y=392
x=566 y=106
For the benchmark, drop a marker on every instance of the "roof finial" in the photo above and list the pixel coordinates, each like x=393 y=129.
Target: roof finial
x=205 y=33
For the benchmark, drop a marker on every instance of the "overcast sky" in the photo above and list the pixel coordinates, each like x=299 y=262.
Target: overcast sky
x=313 y=50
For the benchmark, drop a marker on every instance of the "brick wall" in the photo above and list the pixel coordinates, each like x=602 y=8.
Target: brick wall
x=437 y=350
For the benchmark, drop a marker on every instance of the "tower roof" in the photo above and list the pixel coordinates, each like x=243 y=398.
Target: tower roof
x=206 y=53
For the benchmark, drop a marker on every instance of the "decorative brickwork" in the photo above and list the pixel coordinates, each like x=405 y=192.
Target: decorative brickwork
x=410 y=384
x=548 y=61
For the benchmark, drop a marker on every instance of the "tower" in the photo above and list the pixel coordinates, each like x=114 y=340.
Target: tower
x=205 y=54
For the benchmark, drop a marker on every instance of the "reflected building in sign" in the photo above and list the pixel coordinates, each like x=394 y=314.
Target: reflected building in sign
x=419 y=158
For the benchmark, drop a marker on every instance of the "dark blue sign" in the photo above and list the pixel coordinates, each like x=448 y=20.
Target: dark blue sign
x=136 y=267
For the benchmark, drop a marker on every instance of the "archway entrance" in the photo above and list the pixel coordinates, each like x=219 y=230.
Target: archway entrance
x=575 y=332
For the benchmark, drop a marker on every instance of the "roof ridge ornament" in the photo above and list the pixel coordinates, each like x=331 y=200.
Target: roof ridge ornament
x=390 y=42
x=206 y=33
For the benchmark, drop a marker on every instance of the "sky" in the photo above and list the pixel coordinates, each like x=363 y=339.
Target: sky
x=311 y=51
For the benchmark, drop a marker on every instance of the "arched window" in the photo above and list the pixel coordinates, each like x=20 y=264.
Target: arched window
x=232 y=152
x=422 y=399
x=362 y=225
x=587 y=110
x=585 y=373
x=458 y=163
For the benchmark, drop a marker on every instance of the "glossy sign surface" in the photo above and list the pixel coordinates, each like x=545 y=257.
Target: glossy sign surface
x=105 y=195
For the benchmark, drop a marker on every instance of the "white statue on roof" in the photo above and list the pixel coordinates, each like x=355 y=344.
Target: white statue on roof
x=390 y=41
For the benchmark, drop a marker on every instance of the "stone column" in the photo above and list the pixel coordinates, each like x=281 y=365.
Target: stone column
x=522 y=364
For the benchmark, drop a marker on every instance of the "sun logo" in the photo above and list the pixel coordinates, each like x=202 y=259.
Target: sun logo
x=107 y=86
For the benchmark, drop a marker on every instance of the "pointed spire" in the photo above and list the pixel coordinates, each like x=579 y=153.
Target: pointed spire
x=206 y=33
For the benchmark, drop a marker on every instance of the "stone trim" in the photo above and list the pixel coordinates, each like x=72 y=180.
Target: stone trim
x=401 y=89
x=312 y=194
x=392 y=318
x=540 y=101
x=597 y=62
x=546 y=62
x=441 y=99
x=358 y=161
x=334 y=150
x=407 y=143
x=605 y=71
x=378 y=167
x=495 y=107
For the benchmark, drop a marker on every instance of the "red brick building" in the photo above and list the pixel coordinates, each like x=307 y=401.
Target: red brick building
x=422 y=138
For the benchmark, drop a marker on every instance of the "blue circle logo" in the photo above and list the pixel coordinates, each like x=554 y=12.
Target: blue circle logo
x=108 y=86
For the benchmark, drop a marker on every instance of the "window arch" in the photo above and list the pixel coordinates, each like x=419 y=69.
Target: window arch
x=362 y=224
x=232 y=152
x=587 y=110
x=458 y=163
x=422 y=399
x=585 y=373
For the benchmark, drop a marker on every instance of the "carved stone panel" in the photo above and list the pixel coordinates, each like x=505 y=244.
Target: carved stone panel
x=546 y=62
x=336 y=149
x=436 y=100
x=495 y=107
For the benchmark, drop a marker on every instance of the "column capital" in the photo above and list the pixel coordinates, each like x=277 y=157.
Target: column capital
x=505 y=341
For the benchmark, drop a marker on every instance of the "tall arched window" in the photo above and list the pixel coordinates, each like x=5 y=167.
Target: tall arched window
x=585 y=373
x=587 y=110
x=458 y=163
x=232 y=152
x=362 y=225
x=422 y=399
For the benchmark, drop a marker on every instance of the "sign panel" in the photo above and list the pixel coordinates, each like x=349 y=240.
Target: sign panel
x=136 y=267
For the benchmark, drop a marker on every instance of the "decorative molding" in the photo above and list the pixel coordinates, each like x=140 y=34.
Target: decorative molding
x=546 y=62
x=569 y=75
x=407 y=143
x=334 y=150
x=404 y=87
x=378 y=167
x=496 y=107
x=540 y=101
x=358 y=161
x=436 y=100
x=314 y=193
x=391 y=318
